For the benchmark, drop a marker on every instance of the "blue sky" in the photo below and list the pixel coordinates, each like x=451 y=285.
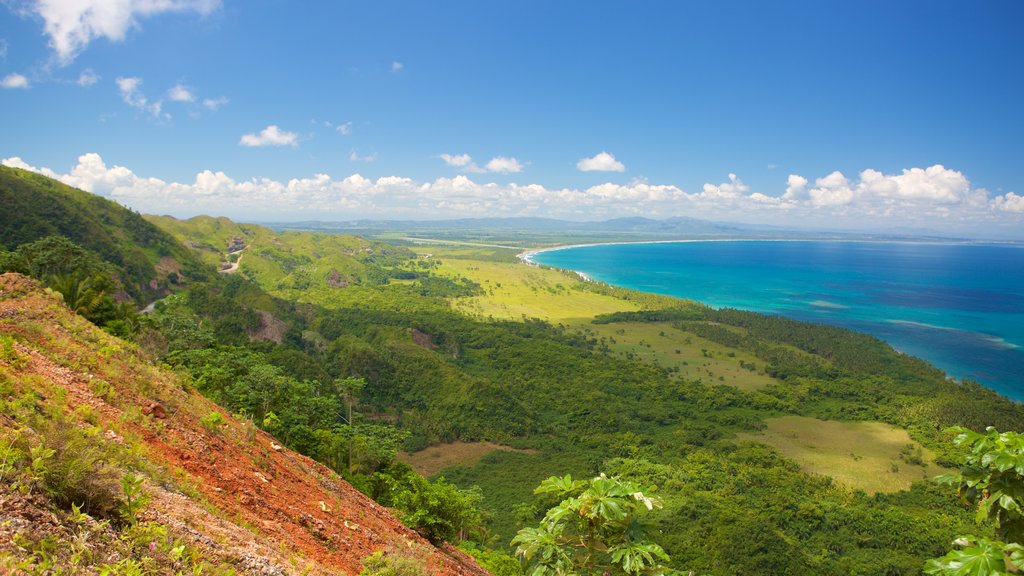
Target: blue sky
x=887 y=115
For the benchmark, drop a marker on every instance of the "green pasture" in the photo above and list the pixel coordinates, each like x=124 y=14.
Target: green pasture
x=871 y=456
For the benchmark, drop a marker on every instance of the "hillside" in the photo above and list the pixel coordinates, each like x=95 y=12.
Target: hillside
x=222 y=494
x=147 y=261
x=298 y=265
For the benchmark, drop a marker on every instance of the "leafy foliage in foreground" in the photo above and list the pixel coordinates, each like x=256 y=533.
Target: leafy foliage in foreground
x=991 y=479
x=592 y=531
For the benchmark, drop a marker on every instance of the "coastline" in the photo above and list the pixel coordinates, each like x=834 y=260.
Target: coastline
x=992 y=374
x=526 y=256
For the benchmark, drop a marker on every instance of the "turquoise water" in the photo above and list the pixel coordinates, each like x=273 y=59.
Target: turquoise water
x=959 y=306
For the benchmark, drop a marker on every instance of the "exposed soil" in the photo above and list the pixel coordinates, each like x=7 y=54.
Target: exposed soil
x=232 y=492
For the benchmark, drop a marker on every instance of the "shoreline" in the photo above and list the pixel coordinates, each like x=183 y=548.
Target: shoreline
x=953 y=370
x=526 y=256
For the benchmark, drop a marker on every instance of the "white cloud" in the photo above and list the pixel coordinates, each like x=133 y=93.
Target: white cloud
x=457 y=160
x=214 y=103
x=1009 y=202
x=133 y=96
x=732 y=189
x=397 y=66
x=796 y=188
x=602 y=162
x=504 y=165
x=344 y=129
x=179 y=93
x=3 y=49
x=935 y=183
x=270 y=136
x=73 y=24
x=87 y=78
x=841 y=202
x=354 y=156
x=13 y=81
x=832 y=190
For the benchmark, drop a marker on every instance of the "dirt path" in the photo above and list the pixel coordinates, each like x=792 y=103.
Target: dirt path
x=234 y=265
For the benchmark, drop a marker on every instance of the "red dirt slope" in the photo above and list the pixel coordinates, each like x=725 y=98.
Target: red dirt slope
x=231 y=491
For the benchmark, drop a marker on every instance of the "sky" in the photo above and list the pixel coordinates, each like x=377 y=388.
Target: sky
x=818 y=114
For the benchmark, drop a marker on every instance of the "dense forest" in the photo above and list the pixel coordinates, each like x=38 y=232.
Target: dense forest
x=354 y=352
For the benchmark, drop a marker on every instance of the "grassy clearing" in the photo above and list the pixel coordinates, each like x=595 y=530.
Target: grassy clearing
x=872 y=456
x=514 y=290
x=661 y=344
x=432 y=460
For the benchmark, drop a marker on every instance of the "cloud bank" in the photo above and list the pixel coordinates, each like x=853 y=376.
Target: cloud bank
x=935 y=197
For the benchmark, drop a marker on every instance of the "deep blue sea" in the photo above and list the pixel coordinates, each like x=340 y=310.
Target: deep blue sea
x=959 y=306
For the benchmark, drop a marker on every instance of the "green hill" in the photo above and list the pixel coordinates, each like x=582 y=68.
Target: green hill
x=148 y=261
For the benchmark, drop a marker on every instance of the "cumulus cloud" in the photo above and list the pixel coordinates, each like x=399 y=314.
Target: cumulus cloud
x=270 y=136
x=344 y=128
x=132 y=95
x=832 y=190
x=72 y=25
x=732 y=189
x=503 y=165
x=179 y=93
x=1009 y=202
x=14 y=81
x=842 y=202
x=796 y=188
x=602 y=162
x=397 y=66
x=214 y=104
x=87 y=78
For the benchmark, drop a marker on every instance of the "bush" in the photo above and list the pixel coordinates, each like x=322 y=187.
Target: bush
x=71 y=468
x=379 y=564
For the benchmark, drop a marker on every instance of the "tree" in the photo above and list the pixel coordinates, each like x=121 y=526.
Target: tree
x=349 y=389
x=593 y=531
x=992 y=479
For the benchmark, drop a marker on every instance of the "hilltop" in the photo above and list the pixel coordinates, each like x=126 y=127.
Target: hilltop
x=225 y=492
x=147 y=261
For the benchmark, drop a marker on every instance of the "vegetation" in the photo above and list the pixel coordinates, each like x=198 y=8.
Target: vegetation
x=349 y=351
x=991 y=479
x=592 y=531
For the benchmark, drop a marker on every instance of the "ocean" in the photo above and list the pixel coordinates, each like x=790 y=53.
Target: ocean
x=958 y=306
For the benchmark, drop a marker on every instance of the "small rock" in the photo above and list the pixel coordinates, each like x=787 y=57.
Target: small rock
x=155 y=410
x=276 y=446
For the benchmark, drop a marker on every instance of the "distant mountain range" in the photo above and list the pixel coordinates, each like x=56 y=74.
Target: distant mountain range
x=627 y=228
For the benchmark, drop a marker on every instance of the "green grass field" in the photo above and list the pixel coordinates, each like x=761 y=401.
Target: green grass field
x=515 y=290
x=871 y=456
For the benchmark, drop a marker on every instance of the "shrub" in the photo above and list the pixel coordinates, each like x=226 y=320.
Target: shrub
x=380 y=564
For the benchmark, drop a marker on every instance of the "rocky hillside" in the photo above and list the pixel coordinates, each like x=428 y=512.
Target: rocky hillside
x=110 y=462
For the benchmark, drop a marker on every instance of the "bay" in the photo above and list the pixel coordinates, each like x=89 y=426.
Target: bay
x=958 y=306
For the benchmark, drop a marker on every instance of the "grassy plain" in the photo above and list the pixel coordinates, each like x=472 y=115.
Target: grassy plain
x=872 y=456
x=513 y=291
